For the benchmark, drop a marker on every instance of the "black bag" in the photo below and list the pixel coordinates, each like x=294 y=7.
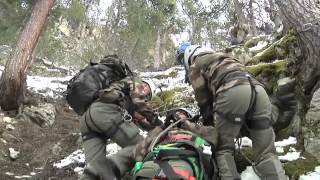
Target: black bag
x=83 y=88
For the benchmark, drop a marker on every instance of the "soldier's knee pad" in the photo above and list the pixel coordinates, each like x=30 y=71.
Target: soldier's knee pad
x=271 y=169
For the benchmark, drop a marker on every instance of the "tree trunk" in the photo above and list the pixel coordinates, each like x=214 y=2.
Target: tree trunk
x=13 y=80
x=303 y=17
x=157 y=53
x=252 y=22
x=274 y=15
x=241 y=29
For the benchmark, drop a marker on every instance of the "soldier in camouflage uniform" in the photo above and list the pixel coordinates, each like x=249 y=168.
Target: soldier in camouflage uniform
x=227 y=94
x=112 y=116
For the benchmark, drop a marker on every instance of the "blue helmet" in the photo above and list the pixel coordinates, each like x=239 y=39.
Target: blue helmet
x=180 y=51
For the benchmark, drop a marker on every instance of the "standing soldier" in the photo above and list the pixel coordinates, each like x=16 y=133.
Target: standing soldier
x=229 y=95
x=111 y=116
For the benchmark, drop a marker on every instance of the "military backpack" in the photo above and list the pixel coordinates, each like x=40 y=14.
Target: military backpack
x=83 y=88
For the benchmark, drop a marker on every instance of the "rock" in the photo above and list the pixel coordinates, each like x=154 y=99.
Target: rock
x=9 y=137
x=13 y=154
x=9 y=127
x=8 y=120
x=56 y=149
x=3 y=141
x=43 y=114
x=311 y=129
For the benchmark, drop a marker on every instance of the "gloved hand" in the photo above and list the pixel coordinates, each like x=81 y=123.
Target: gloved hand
x=209 y=133
x=170 y=118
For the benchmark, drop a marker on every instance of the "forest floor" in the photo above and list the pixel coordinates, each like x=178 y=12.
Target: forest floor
x=40 y=147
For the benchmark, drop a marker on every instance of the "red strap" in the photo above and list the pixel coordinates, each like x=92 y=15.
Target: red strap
x=185 y=174
x=175 y=137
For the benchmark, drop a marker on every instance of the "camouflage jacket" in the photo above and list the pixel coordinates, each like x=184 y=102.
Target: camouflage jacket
x=120 y=93
x=208 y=74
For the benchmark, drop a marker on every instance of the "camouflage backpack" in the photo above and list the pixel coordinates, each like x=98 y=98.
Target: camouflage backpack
x=180 y=155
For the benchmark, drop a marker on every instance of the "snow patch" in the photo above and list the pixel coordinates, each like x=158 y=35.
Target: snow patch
x=279 y=149
x=259 y=46
x=112 y=148
x=315 y=175
x=249 y=174
x=290 y=156
x=286 y=142
x=77 y=157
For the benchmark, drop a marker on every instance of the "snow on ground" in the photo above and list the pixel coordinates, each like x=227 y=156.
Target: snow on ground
x=77 y=157
x=315 y=175
x=47 y=86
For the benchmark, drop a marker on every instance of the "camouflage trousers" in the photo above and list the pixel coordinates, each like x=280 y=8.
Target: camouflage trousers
x=235 y=101
x=102 y=122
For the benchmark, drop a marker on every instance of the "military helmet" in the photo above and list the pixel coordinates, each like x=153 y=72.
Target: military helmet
x=180 y=51
x=187 y=55
x=189 y=113
x=152 y=87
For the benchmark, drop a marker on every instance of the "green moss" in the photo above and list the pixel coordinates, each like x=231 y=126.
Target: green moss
x=301 y=166
x=254 y=41
x=164 y=100
x=241 y=161
x=293 y=168
x=278 y=50
x=173 y=74
x=277 y=67
x=186 y=100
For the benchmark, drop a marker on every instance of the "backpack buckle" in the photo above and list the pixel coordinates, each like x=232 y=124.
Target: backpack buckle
x=126 y=117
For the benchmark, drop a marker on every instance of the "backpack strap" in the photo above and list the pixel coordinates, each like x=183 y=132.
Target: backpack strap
x=204 y=161
x=168 y=170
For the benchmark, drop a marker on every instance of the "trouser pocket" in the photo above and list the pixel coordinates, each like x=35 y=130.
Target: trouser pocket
x=129 y=129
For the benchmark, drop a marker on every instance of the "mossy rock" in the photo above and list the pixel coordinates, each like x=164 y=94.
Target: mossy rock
x=173 y=74
x=278 y=66
x=269 y=73
x=301 y=166
x=278 y=50
x=254 y=41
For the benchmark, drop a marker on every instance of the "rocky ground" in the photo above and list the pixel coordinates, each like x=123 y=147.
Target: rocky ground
x=38 y=147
